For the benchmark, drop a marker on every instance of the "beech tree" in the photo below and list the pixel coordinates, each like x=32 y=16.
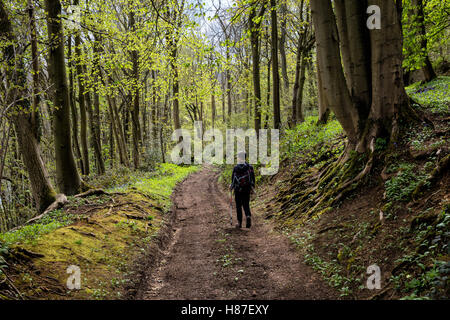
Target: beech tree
x=68 y=179
x=366 y=91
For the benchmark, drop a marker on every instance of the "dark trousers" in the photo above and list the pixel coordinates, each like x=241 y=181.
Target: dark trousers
x=242 y=200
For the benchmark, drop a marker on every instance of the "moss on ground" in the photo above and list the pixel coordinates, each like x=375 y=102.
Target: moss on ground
x=104 y=236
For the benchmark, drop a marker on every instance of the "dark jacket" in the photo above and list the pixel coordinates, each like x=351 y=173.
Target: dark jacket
x=241 y=168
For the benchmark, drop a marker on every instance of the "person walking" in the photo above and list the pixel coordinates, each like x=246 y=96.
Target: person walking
x=242 y=182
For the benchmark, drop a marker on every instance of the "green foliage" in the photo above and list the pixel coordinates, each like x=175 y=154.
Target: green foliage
x=436 y=17
x=308 y=140
x=401 y=186
x=380 y=144
x=427 y=276
x=433 y=95
x=115 y=177
x=160 y=182
x=331 y=271
x=28 y=233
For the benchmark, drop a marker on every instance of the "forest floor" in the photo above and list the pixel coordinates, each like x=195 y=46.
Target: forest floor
x=210 y=259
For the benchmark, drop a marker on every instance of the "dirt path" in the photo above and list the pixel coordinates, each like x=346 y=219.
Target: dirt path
x=209 y=259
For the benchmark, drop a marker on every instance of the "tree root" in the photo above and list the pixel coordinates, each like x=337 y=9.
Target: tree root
x=329 y=186
x=92 y=192
x=61 y=201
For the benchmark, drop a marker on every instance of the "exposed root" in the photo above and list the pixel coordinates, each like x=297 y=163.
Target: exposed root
x=328 y=187
x=92 y=192
x=61 y=201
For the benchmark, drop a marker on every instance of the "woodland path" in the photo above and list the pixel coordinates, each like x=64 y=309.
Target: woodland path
x=209 y=259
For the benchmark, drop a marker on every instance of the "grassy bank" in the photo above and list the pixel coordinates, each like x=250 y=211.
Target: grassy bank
x=102 y=235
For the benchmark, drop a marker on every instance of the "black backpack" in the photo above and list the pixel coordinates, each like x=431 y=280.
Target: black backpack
x=242 y=179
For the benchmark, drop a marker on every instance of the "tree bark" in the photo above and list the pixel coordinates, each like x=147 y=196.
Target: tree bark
x=419 y=18
x=68 y=179
x=73 y=109
x=175 y=88
x=275 y=72
x=154 y=110
x=136 y=128
x=228 y=82
x=330 y=70
x=96 y=115
x=299 y=102
x=284 y=73
x=82 y=104
x=41 y=188
x=255 y=31
x=388 y=99
x=35 y=119
x=355 y=50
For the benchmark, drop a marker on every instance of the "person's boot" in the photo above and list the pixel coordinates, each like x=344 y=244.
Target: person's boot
x=239 y=225
x=249 y=222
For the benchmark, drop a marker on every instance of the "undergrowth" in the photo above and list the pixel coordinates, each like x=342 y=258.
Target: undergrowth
x=103 y=235
x=433 y=95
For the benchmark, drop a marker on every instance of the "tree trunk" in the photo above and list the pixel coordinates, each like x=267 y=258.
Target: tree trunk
x=330 y=68
x=385 y=77
x=67 y=176
x=154 y=110
x=223 y=103
x=355 y=50
x=275 y=73
x=115 y=130
x=269 y=63
x=324 y=110
x=175 y=88
x=82 y=104
x=213 y=108
x=298 y=65
x=35 y=120
x=41 y=187
x=73 y=109
x=284 y=73
x=228 y=79
x=136 y=128
x=96 y=115
x=254 y=41
x=419 y=16
x=299 y=102
x=389 y=99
